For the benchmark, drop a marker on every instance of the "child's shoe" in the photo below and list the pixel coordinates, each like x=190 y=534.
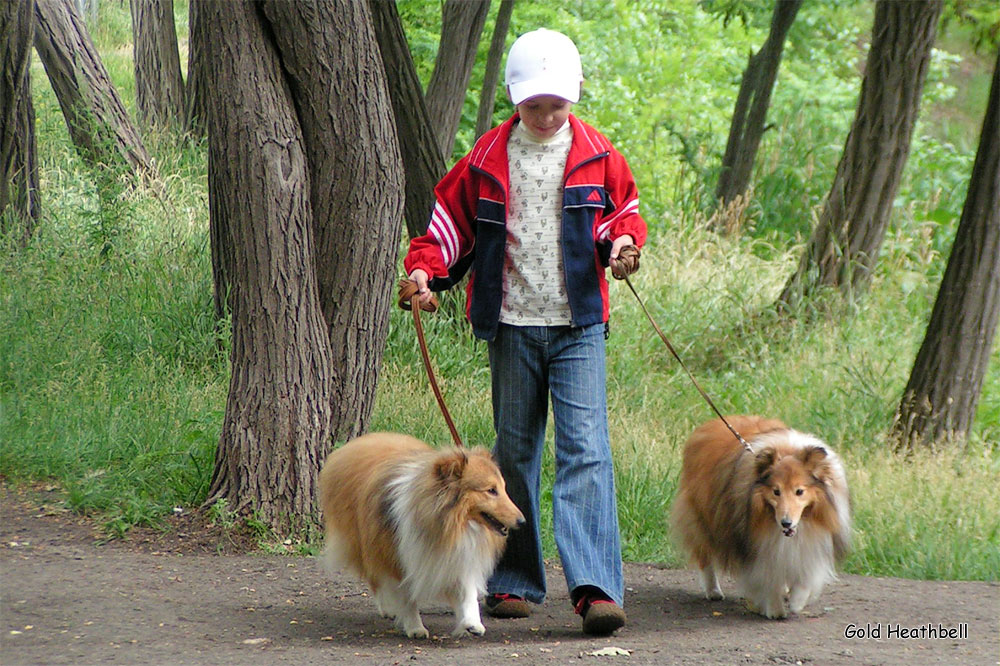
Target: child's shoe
x=601 y=615
x=507 y=606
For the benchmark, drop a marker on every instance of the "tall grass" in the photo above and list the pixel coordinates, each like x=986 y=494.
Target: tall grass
x=114 y=376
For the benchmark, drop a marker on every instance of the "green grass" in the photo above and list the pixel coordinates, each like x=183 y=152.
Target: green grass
x=114 y=376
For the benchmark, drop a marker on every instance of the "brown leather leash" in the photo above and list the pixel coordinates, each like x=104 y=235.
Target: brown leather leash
x=627 y=263
x=409 y=299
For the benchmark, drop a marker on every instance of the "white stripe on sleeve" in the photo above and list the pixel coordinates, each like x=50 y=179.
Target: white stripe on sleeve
x=604 y=229
x=443 y=229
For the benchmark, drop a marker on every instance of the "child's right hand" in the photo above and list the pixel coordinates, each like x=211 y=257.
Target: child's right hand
x=420 y=276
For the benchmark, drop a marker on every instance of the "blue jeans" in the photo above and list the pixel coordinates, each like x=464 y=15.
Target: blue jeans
x=528 y=363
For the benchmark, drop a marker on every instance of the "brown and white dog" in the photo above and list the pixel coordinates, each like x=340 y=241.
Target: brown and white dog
x=419 y=525
x=778 y=519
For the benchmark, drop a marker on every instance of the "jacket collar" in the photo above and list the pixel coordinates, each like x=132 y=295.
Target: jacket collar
x=490 y=152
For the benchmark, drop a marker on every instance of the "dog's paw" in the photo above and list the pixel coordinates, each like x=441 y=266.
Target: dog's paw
x=769 y=609
x=798 y=598
x=714 y=595
x=417 y=632
x=774 y=611
x=412 y=626
x=474 y=629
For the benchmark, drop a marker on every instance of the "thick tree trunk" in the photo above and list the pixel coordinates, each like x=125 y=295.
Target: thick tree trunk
x=462 y=24
x=940 y=399
x=845 y=244
x=751 y=107
x=97 y=120
x=329 y=52
x=498 y=43
x=422 y=158
x=194 y=92
x=277 y=416
x=159 y=87
x=19 y=209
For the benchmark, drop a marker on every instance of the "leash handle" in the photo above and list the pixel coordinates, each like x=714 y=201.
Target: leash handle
x=409 y=299
x=694 y=381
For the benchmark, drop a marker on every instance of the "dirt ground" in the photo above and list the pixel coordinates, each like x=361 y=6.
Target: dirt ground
x=173 y=599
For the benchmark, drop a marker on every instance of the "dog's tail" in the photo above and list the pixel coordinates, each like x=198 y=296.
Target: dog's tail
x=334 y=558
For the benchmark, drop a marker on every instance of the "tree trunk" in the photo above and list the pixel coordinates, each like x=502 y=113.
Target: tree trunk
x=462 y=24
x=752 y=102
x=98 y=123
x=19 y=208
x=159 y=88
x=846 y=241
x=194 y=92
x=487 y=98
x=277 y=416
x=330 y=55
x=305 y=183
x=940 y=399
x=422 y=158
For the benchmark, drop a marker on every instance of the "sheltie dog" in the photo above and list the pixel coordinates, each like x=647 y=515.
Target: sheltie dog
x=419 y=525
x=777 y=519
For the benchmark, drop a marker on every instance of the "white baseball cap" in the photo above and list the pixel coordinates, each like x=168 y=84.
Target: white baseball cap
x=543 y=62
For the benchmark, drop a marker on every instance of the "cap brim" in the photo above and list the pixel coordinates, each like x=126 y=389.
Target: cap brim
x=569 y=90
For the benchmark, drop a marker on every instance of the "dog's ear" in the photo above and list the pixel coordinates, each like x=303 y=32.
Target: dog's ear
x=450 y=467
x=763 y=461
x=813 y=455
x=816 y=460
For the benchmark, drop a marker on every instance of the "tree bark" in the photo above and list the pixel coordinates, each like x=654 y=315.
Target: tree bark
x=487 y=98
x=305 y=187
x=940 y=398
x=159 y=87
x=422 y=158
x=98 y=123
x=19 y=191
x=277 y=416
x=845 y=244
x=462 y=24
x=329 y=52
x=194 y=92
x=752 y=102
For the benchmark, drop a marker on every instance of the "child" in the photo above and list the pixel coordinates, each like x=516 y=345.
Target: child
x=537 y=210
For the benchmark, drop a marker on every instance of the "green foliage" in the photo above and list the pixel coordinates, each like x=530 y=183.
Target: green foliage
x=981 y=18
x=747 y=11
x=113 y=372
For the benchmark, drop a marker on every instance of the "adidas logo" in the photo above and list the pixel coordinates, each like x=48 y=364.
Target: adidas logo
x=594 y=195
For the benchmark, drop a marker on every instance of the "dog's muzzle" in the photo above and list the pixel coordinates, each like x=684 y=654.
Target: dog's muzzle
x=497 y=526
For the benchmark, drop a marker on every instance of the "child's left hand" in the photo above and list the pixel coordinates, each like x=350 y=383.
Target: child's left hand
x=620 y=269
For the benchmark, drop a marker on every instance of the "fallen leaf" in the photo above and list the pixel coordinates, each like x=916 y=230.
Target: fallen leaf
x=610 y=652
x=256 y=641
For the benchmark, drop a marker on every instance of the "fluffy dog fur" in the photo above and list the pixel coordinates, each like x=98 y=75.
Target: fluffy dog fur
x=419 y=525
x=777 y=519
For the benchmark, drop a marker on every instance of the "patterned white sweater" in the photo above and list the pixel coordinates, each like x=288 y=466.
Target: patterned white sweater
x=534 y=282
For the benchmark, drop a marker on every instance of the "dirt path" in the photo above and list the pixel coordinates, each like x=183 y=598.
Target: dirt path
x=66 y=600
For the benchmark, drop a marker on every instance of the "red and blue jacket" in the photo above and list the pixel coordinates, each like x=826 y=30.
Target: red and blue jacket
x=468 y=227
